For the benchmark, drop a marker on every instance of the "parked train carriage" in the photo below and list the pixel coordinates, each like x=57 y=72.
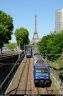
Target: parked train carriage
x=28 y=53
x=42 y=75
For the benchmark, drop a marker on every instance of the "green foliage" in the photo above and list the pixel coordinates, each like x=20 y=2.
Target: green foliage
x=6 y=28
x=60 y=62
x=51 y=44
x=54 y=65
x=11 y=46
x=22 y=36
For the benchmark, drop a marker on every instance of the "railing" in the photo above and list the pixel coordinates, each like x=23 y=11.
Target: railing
x=8 y=78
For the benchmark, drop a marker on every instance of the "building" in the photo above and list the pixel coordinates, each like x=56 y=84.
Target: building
x=59 y=20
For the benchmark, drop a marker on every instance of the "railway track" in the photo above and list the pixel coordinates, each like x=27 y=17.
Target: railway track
x=44 y=90
x=23 y=85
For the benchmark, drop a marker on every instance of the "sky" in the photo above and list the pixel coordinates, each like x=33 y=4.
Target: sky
x=23 y=14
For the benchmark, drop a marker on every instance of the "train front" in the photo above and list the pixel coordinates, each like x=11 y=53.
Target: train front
x=42 y=75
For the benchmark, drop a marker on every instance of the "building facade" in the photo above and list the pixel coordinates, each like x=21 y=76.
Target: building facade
x=59 y=20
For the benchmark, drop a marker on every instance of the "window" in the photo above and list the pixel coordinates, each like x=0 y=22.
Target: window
x=41 y=71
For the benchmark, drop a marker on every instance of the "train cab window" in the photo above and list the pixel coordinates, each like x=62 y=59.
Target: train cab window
x=41 y=71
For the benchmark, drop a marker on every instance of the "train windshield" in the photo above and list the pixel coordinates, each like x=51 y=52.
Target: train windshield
x=40 y=71
x=27 y=51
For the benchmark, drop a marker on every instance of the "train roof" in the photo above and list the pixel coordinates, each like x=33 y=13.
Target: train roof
x=40 y=61
x=47 y=65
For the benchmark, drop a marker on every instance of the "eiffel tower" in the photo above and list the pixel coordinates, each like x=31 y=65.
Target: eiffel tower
x=35 y=35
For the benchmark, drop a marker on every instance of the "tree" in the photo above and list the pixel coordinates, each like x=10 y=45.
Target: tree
x=11 y=46
x=22 y=36
x=6 y=28
x=60 y=62
x=51 y=44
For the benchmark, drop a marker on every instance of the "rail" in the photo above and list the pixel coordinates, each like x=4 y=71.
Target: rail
x=8 y=78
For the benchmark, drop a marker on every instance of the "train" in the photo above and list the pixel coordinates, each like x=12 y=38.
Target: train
x=28 y=52
x=41 y=73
